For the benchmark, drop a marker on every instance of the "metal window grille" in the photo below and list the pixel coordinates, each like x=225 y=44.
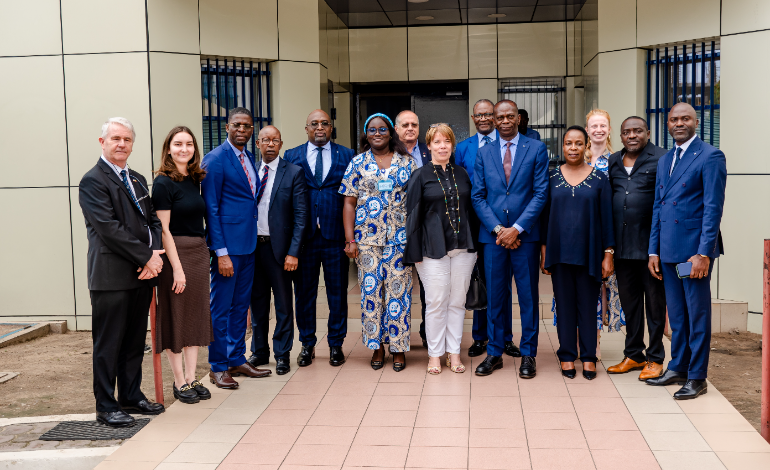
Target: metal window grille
x=544 y=100
x=686 y=73
x=226 y=84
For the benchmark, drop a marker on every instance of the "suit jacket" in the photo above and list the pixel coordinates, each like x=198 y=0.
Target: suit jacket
x=632 y=199
x=522 y=200
x=466 y=151
x=688 y=204
x=287 y=216
x=325 y=200
x=231 y=208
x=117 y=231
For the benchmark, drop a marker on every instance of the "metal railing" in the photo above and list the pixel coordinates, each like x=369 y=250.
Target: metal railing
x=226 y=84
x=687 y=73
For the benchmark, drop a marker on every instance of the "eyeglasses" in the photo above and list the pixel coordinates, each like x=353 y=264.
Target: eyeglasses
x=484 y=116
x=510 y=117
x=324 y=124
x=236 y=125
x=373 y=130
x=267 y=141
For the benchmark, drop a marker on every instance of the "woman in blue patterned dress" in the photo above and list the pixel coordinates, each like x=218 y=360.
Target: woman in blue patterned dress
x=374 y=217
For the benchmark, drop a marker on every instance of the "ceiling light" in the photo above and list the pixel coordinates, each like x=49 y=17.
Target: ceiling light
x=425 y=18
x=497 y=15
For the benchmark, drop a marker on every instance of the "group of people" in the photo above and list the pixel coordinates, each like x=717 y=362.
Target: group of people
x=231 y=230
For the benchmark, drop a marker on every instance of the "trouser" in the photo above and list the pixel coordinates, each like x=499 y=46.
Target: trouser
x=422 y=307
x=269 y=275
x=446 y=285
x=642 y=295
x=119 y=329
x=575 y=291
x=689 y=314
x=230 y=298
x=317 y=251
x=386 y=296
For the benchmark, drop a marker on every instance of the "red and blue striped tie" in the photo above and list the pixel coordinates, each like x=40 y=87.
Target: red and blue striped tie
x=262 y=184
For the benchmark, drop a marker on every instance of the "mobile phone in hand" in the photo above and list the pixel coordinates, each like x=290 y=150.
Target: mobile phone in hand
x=683 y=270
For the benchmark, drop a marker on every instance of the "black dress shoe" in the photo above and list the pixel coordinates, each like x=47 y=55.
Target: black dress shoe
x=692 y=389
x=282 y=366
x=306 y=356
x=336 y=356
x=186 y=394
x=589 y=374
x=144 y=407
x=528 y=368
x=203 y=392
x=258 y=361
x=116 y=419
x=489 y=365
x=511 y=349
x=569 y=373
x=477 y=348
x=398 y=366
x=377 y=365
x=668 y=378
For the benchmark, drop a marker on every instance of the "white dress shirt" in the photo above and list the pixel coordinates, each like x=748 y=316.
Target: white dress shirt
x=263 y=228
x=326 y=154
x=492 y=135
x=514 y=143
x=117 y=171
x=684 y=150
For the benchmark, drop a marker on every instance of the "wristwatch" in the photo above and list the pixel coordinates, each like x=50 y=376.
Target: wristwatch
x=610 y=251
x=497 y=229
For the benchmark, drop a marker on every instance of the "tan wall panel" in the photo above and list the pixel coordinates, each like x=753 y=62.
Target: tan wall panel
x=344 y=40
x=295 y=87
x=103 y=26
x=94 y=94
x=343 y=122
x=176 y=97
x=323 y=31
x=532 y=50
x=255 y=20
x=477 y=90
x=298 y=28
x=333 y=49
x=390 y=63
x=617 y=24
x=30 y=28
x=33 y=95
x=740 y=16
x=664 y=21
x=173 y=25
x=40 y=254
x=80 y=258
x=589 y=40
x=623 y=92
x=591 y=86
x=482 y=48
x=438 y=53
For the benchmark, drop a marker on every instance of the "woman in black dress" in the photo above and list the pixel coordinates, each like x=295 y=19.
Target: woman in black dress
x=577 y=248
x=183 y=322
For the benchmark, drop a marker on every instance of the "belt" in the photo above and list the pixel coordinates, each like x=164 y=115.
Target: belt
x=263 y=239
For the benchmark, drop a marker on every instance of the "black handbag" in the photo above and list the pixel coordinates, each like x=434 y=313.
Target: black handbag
x=476 y=298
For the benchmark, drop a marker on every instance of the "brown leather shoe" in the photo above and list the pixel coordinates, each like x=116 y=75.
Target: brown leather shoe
x=223 y=380
x=651 y=370
x=625 y=365
x=249 y=371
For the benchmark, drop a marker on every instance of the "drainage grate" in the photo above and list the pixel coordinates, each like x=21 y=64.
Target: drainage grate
x=91 y=431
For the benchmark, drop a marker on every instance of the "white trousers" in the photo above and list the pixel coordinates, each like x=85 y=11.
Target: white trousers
x=446 y=282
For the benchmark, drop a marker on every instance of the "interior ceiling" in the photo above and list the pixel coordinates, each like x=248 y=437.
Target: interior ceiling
x=385 y=13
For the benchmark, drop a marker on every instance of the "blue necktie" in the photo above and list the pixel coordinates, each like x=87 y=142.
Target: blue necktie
x=124 y=175
x=319 y=166
x=262 y=185
x=676 y=160
x=487 y=140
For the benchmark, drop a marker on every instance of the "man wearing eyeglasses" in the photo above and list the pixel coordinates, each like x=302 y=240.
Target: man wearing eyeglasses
x=324 y=163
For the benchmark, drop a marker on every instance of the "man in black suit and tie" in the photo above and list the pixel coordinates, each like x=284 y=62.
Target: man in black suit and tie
x=283 y=217
x=124 y=248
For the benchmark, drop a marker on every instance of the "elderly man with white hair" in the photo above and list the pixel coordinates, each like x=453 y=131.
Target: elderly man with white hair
x=124 y=248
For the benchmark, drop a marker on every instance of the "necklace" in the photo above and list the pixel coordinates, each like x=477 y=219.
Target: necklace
x=446 y=203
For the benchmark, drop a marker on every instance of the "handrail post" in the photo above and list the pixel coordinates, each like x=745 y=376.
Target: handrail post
x=157 y=366
x=764 y=429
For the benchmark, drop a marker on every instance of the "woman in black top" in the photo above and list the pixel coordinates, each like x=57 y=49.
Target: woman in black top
x=439 y=242
x=183 y=322
x=577 y=247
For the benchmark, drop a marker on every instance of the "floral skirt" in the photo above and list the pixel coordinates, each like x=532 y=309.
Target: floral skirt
x=615 y=317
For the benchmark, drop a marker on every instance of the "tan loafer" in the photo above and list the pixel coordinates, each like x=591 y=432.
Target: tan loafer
x=651 y=370
x=625 y=365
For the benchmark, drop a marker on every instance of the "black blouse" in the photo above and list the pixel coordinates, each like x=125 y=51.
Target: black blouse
x=184 y=200
x=435 y=224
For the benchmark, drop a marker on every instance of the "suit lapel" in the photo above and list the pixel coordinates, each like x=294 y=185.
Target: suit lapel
x=521 y=153
x=335 y=160
x=116 y=179
x=684 y=162
x=306 y=166
x=494 y=152
x=236 y=162
x=640 y=159
x=279 y=172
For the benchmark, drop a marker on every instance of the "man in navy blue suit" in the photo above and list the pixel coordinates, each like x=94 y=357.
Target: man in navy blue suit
x=510 y=188
x=324 y=164
x=689 y=199
x=465 y=155
x=229 y=190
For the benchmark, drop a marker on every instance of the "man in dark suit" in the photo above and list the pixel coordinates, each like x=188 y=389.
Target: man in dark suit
x=689 y=199
x=282 y=202
x=510 y=188
x=465 y=155
x=229 y=190
x=124 y=248
x=632 y=177
x=324 y=163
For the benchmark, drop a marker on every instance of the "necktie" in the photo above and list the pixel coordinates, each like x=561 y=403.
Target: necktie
x=486 y=140
x=248 y=177
x=262 y=185
x=676 y=160
x=507 y=162
x=319 y=166
x=124 y=175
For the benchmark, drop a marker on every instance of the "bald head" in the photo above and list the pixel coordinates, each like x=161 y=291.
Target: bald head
x=318 y=128
x=507 y=119
x=269 y=143
x=682 y=122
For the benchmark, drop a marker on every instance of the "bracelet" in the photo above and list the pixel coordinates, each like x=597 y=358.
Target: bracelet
x=351 y=241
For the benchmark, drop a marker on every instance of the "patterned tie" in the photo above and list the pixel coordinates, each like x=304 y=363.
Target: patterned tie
x=507 y=161
x=124 y=175
x=319 y=166
x=262 y=184
x=248 y=177
x=676 y=160
x=486 y=140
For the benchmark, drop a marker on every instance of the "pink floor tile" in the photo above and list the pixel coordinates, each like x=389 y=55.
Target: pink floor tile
x=258 y=454
x=496 y=419
x=336 y=418
x=309 y=467
x=437 y=457
x=607 y=421
x=247 y=466
x=445 y=403
x=384 y=418
x=439 y=437
x=444 y=389
x=341 y=403
x=389 y=389
x=351 y=388
x=358 y=375
x=304 y=388
x=540 y=420
x=616 y=440
x=560 y=459
x=498 y=377
x=442 y=419
x=498 y=458
x=295 y=402
x=327 y=454
x=315 y=373
x=549 y=404
x=481 y=389
x=395 y=402
x=625 y=459
x=498 y=438
x=374 y=456
x=495 y=403
x=533 y=388
x=596 y=390
x=398 y=436
x=415 y=373
x=275 y=434
x=340 y=435
x=555 y=439
x=593 y=405
x=285 y=417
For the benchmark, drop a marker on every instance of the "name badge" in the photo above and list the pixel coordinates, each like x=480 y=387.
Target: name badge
x=385 y=185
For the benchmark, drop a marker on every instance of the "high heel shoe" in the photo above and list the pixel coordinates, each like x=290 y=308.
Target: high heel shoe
x=589 y=374
x=569 y=373
x=435 y=370
x=377 y=365
x=458 y=369
x=399 y=366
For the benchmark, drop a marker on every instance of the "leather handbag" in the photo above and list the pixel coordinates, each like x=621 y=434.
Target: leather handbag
x=476 y=298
